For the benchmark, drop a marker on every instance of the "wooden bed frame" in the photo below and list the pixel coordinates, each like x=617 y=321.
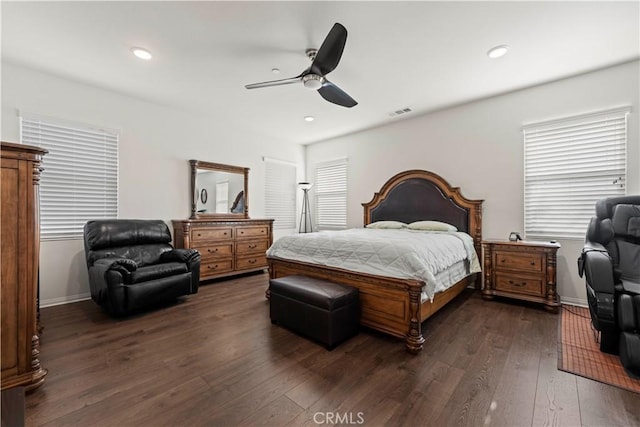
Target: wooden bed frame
x=393 y=305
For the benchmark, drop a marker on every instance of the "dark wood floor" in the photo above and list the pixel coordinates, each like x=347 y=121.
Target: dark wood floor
x=215 y=359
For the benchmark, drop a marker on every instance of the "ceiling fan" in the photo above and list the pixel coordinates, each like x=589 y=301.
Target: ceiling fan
x=324 y=61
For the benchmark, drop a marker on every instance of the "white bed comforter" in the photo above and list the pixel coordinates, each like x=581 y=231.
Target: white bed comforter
x=403 y=254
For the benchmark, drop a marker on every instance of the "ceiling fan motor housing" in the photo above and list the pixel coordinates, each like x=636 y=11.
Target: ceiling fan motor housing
x=312 y=81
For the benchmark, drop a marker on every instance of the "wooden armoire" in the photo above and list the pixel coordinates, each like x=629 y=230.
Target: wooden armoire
x=20 y=251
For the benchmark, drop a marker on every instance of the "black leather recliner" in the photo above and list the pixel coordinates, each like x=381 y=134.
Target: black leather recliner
x=610 y=260
x=132 y=265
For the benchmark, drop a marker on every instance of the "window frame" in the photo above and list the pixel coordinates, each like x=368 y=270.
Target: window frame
x=568 y=165
x=76 y=185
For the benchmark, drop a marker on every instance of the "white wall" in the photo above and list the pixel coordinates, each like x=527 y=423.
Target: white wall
x=479 y=148
x=156 y=143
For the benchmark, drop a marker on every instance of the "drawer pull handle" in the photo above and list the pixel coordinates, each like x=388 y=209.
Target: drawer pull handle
x=511 y=282
x=225 y=233
x=252 y=261
x=212 y=267
x=253 y=246
x=533 y=263
x=212 y=251
x=199 y=235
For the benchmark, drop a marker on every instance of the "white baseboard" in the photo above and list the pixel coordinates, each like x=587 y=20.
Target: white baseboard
x=574 y=301
x=64 y=300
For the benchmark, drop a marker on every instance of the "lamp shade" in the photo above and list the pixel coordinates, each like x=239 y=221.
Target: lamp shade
x=305 y=185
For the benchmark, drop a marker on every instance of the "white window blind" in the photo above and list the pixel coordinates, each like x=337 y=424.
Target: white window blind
x=280 y=193
x=222 y=197
x=569 y=165
x=80 y=178
x=331 y=195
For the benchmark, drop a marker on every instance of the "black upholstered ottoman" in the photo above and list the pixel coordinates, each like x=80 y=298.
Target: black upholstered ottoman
x=323 y=311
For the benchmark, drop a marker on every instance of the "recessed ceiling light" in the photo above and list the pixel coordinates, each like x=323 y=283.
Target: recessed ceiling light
x=498 y=51
x=309 y=118
x=141 y=53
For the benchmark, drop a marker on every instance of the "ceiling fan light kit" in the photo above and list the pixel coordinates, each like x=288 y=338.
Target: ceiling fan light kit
x=323 y=61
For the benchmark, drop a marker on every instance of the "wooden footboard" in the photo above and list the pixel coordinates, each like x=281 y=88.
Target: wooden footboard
x=387 y=304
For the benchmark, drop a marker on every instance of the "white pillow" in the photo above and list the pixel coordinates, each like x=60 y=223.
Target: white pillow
x=431 y=226
x=387 y=224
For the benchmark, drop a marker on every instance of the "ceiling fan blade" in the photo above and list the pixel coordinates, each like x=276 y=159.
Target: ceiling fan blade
x=333 y=93
x=275 y=82
x=330 y=52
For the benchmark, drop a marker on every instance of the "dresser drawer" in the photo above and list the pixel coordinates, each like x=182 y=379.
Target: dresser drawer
x=251 y=246
x=521 y=261
x=251 y=262
x=215 y=251
x=204 y=234
x=519 y=284
x=212 y=268
x=253 y=231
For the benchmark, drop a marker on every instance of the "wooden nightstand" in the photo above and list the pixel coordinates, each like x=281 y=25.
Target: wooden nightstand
x=524 y=270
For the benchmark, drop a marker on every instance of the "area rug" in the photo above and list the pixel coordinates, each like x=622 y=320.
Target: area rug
x=579 y=353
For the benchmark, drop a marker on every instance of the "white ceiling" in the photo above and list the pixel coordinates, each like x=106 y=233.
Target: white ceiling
x=421 y=55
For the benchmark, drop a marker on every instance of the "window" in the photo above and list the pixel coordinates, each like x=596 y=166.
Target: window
x=80 y=178
x=280 y=193
x=569 y=165
x=331 y=195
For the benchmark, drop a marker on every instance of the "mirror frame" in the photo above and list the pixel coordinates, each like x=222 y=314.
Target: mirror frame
x=217 y=167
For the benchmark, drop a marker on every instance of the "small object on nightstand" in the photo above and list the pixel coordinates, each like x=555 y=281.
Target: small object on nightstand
x=514 y=236
x=524 y=270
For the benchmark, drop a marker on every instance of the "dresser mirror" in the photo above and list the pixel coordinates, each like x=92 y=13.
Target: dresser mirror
x=218 y=191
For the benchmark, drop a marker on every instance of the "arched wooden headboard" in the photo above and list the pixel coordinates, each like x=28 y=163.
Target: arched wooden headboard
x=417 y=195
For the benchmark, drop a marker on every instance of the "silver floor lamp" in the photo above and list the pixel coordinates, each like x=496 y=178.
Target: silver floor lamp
x=305 y=215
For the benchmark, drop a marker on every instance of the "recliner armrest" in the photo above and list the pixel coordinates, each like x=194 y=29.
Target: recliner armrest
x=598 y=269
x=187 y=256
x=124 y=266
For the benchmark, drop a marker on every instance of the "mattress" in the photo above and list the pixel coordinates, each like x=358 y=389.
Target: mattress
x=439 y=259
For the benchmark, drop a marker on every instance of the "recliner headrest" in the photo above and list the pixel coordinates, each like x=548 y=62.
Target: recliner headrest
x=112 y=233
x=600 y=231
x=626 y=220
x=604 y=207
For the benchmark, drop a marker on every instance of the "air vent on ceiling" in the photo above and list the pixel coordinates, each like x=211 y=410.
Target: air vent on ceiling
x=399 y=112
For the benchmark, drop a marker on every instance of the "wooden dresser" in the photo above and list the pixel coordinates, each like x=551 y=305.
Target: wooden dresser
x=524 y=270
x=20 y=240
x=227 y=247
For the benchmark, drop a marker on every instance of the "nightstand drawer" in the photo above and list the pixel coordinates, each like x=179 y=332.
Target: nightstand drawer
x=520 y=261
x=519 y=284
x=204 y=234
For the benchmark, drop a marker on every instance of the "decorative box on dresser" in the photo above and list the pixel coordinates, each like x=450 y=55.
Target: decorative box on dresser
x=226 y=247
x=524 y=270
x=20 y=250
